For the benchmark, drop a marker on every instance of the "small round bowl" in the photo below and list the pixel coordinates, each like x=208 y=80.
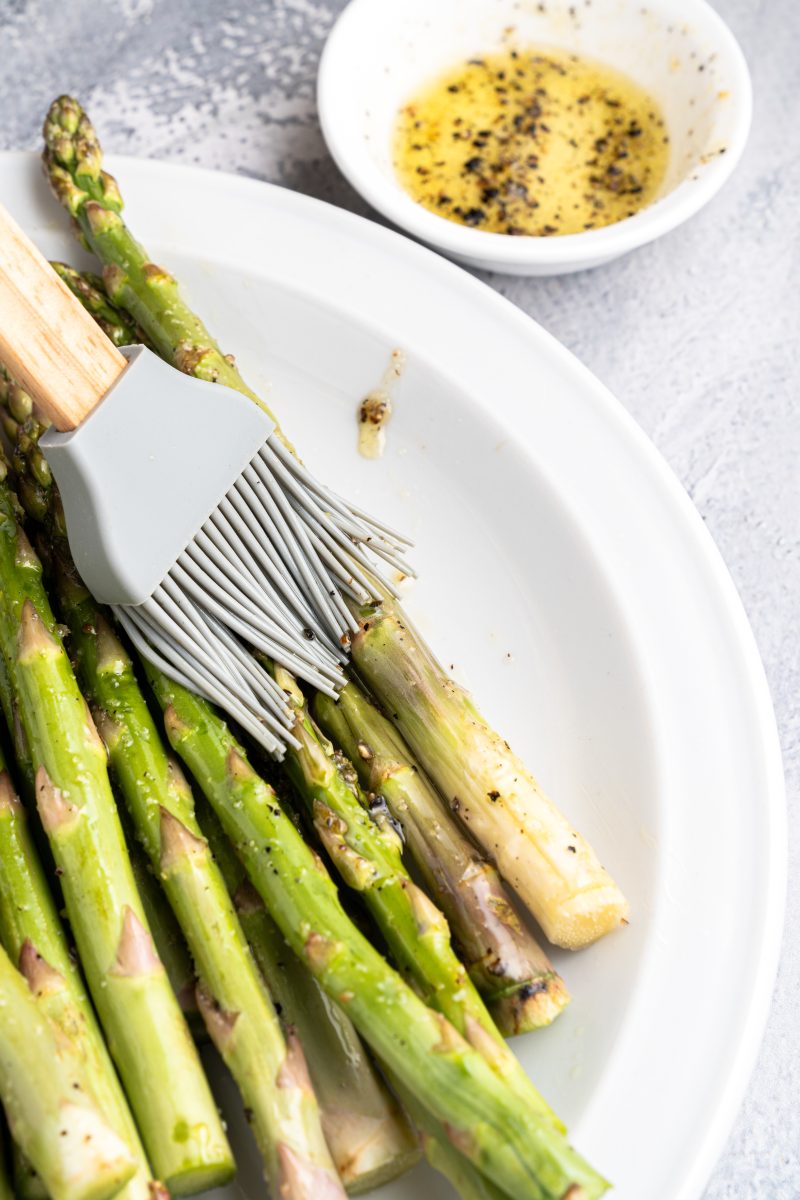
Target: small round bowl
x=381 y=51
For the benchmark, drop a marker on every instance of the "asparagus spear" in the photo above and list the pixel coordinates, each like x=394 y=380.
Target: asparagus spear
x=140 y=1015
x=77 y=1155
x=552 y=868
x=73 y=163
x=169 y=942
x=29 y=921
x=443 y=1155
x=234 y=1003
x=369 y=1137
x=367 y=855
x=522 y=1152
x=519 y=985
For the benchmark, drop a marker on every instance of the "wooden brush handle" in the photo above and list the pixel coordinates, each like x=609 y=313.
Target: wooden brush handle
x=48 y=341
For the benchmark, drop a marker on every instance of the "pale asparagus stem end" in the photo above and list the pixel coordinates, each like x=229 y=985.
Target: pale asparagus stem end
x=552 y=868
x=511 y=971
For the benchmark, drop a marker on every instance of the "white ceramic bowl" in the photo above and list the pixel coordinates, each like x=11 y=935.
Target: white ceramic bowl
x=380 y=51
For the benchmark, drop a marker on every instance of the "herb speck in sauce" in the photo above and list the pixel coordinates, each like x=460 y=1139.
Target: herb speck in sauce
x=532 y=142
x=375 y=409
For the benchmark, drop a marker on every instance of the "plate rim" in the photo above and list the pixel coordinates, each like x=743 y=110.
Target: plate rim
x=771 y=798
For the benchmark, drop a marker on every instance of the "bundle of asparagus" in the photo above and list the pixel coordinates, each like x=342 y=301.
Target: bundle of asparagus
x=284 y=977
x=232 y=999
x=518 y=1148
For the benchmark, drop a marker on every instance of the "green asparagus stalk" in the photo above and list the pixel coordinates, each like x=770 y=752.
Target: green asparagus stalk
x=234 y=1003
x=553 y=869
x=73 y=163
x=169 y=942
x=367 y=855
x=29 y=922
x=33 y=476
x=512 y=973
x=369 y=1137
x=61 y=1131
x=91 y=292
x=139 y=1013
x=443 y=1155
x=454 y=1077
x=538 y=852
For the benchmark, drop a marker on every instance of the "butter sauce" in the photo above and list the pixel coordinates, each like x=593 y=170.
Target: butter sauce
x=533 y=142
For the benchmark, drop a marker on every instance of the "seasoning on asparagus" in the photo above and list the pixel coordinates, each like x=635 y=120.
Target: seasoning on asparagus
x=521 y=1151
x=521 y=988
x=540 y=1145
x=29 y=921
x=180 y=1125
x=368 y=1134
x=552 y=868
x=234 y=1003
x=77 y=1155
x=367 y=854
x=548 y=863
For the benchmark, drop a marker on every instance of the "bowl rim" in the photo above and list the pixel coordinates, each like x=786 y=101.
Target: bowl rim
x=593 y=245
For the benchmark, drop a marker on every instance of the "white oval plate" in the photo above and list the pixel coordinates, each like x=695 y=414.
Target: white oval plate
x=568 y=579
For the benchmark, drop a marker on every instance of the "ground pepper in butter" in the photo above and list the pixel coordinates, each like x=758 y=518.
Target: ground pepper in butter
x=532 y=142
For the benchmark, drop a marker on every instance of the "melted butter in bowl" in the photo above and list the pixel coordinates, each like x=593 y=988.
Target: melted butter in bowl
x=535 y=142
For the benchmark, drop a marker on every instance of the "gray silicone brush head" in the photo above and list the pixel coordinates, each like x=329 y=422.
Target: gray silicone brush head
x=206 y=545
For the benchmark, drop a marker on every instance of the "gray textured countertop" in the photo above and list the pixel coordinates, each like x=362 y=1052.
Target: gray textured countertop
x=697 y=335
